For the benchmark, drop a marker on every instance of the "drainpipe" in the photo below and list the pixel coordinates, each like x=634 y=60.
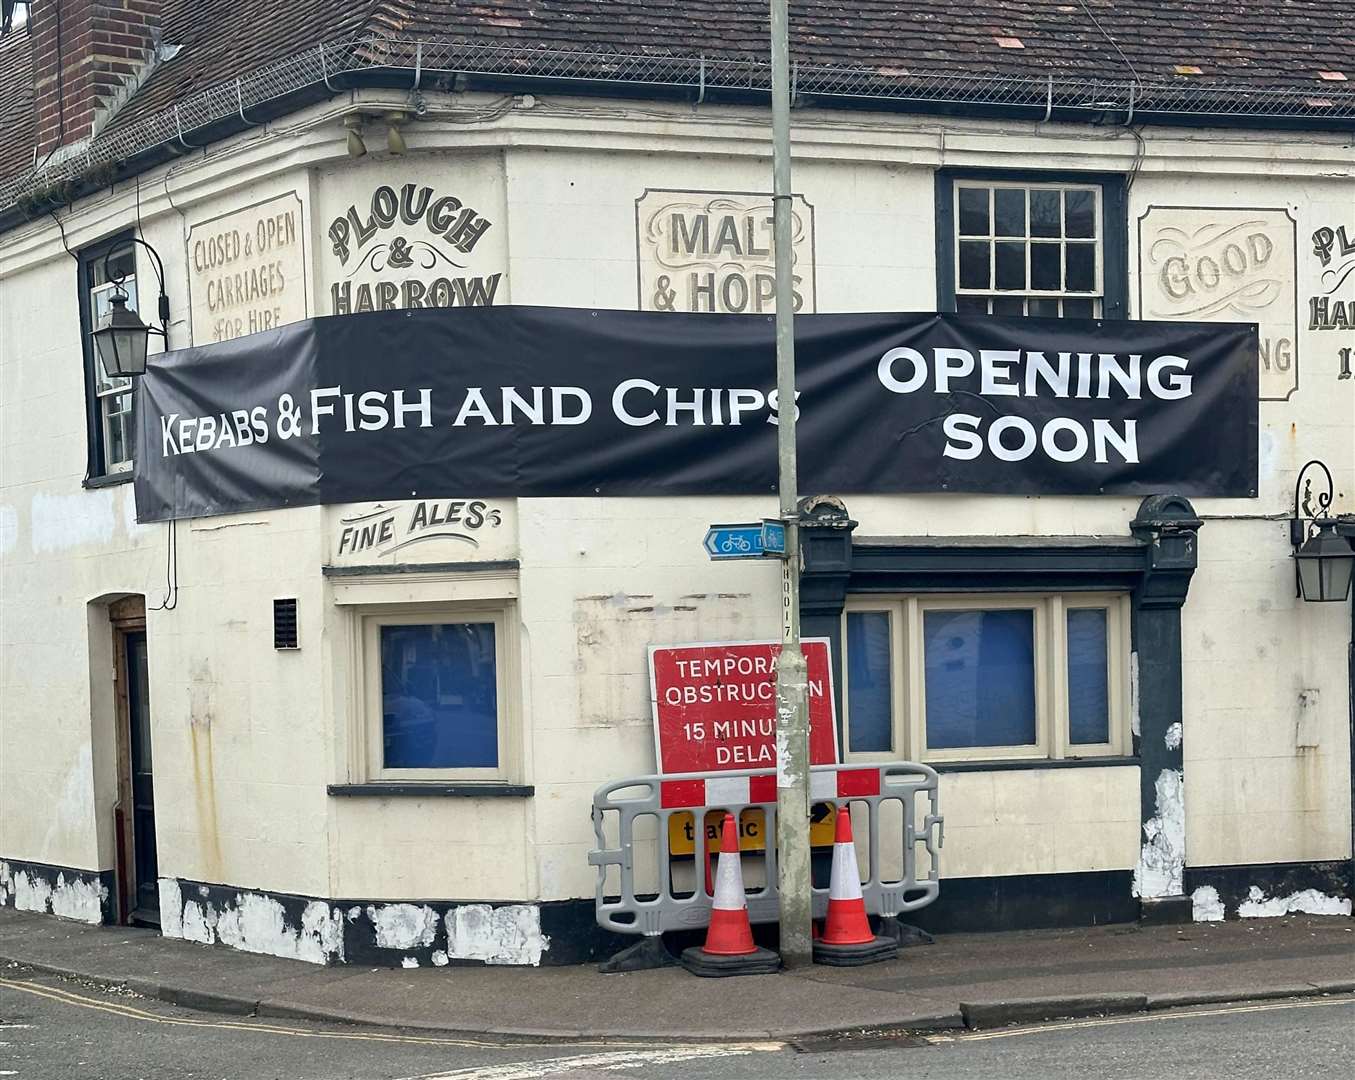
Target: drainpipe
x=1345 y=526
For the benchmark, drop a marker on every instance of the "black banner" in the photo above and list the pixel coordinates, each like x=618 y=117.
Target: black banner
x=530 y=401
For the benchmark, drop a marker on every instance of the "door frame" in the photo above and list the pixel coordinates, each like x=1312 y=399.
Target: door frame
x=127 y=616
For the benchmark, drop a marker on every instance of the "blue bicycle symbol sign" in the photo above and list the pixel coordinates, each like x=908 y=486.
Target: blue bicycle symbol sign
x=752 y=540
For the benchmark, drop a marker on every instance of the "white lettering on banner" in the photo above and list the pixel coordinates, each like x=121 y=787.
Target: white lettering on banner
x=640 y=403
x=240 y=427
x=716 y=406
x=1083 y=375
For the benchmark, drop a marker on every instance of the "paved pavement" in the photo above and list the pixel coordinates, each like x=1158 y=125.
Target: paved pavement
x=59 y=1029
x=979 y=980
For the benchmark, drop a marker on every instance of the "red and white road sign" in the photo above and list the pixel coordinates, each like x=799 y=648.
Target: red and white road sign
x=715 y=705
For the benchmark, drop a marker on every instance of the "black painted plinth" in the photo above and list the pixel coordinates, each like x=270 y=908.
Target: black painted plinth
x=1166 y=911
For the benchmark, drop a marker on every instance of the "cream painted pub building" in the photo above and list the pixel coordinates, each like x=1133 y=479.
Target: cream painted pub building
x=370 y=732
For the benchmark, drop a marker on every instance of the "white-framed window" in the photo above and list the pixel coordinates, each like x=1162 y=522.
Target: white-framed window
x=1026 y=248
x=111 y=401
x=436 y=692
x=972 y=677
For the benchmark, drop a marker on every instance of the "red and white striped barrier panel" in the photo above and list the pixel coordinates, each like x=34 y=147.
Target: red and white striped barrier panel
x=825 y=783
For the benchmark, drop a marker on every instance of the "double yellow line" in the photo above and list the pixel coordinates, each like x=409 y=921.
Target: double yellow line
x=130 y=1012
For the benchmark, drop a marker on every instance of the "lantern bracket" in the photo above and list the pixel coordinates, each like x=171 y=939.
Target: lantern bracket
x=1323 y=559
x=162 y=301
x=1310 y=508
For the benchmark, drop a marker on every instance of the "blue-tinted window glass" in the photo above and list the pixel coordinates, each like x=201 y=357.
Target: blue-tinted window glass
x=868 y=698
x=439 y=697
x=1088 y=681
x=980 y=678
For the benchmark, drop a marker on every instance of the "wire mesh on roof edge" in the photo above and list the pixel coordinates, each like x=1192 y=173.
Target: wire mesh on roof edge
x=435 y=61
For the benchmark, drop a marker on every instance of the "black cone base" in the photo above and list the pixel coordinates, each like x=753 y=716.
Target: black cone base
x=871 y=952
x=708 y=965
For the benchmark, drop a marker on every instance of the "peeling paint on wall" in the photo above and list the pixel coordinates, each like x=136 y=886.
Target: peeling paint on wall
x=31 y=893
x=255 y=923
x=171 y=910
x=69 y=897
x=1162 y=858
x=403 y=926
x=62 y=522
x=396 y=934
x=1205 y=905
x=79 y=900
x=1174 y=734
x=503 y=935
x=194 y=923
x=1307 y=902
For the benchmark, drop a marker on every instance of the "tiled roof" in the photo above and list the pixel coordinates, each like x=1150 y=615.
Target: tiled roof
x=1236 y=42
x=17 y=122
x=1243 y=45
x=223 y=39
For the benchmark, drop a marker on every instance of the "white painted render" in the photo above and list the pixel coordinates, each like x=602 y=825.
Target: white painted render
x=246 y=738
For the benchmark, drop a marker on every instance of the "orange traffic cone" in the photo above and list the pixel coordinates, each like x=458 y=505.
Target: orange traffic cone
x=729 y=948
x=847 y=938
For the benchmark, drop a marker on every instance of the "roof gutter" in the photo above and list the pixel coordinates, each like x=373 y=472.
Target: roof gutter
x=321 y=73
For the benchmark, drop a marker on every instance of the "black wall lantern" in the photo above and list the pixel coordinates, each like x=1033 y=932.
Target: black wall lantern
x=120 y=338
x=1323 y=559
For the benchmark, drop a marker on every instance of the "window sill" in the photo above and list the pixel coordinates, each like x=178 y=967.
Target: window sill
x=1033 y=763
x=108 y=480
x=434 y=789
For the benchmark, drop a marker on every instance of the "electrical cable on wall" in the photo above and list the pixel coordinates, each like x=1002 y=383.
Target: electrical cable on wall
x=171 y=600
x=1140 y=147
x=62 y=230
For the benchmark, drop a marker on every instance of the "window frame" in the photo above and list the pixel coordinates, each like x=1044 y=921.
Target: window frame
x=98 y=468
x=369 y=733
x=1052 y=733
x=1112 y=254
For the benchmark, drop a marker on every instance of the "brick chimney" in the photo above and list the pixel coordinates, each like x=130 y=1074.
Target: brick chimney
x=86 y=55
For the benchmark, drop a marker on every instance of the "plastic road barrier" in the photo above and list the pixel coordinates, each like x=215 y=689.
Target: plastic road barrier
x=656 y=905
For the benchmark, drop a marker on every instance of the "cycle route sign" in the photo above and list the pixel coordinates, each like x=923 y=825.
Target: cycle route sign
x=749 y=540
